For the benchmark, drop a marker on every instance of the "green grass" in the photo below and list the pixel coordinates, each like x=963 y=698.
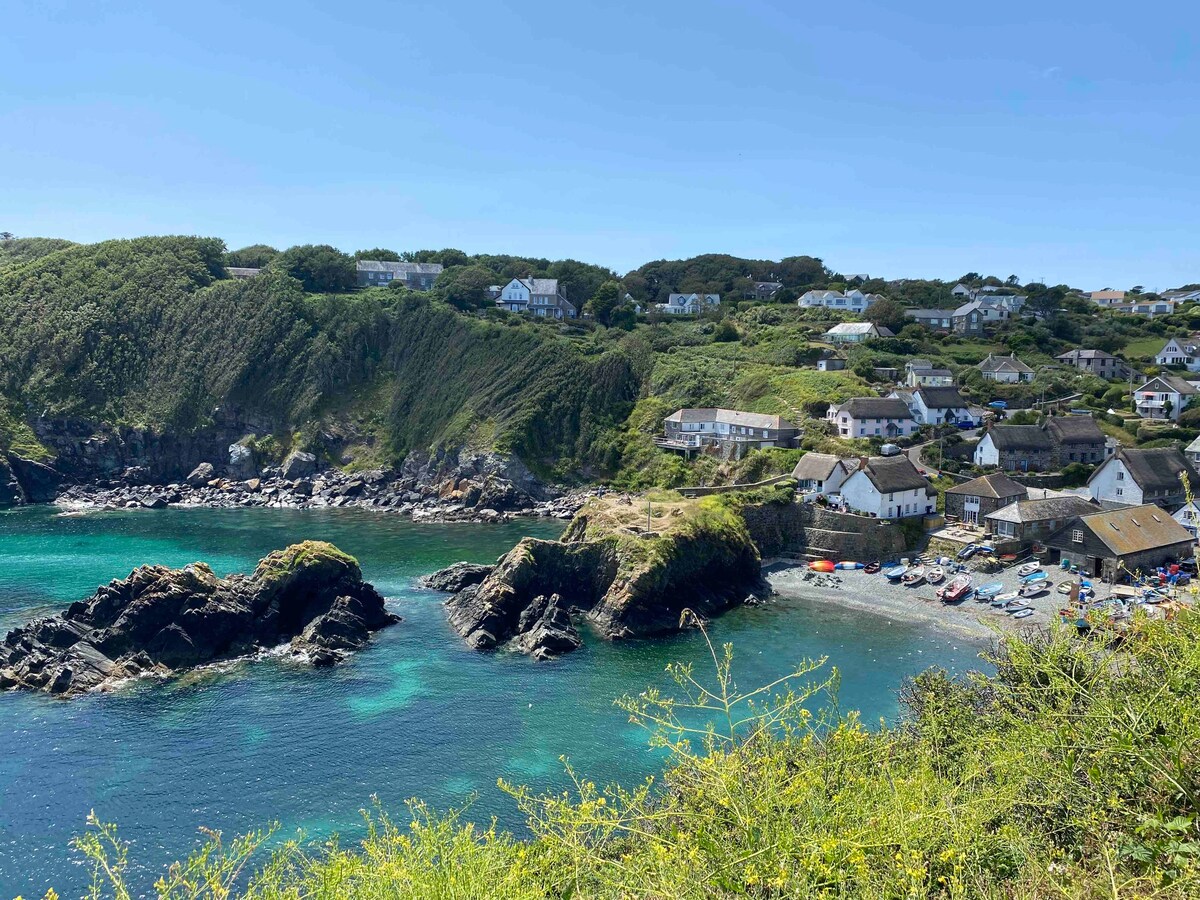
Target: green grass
x=1144 y=348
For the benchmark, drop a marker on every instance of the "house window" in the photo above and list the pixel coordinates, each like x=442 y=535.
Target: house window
x=1120 y=475
x=1120 y=491
x=1077 y=536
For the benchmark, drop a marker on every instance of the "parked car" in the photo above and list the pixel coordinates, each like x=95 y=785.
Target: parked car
x=999 y=404
x=889 y=450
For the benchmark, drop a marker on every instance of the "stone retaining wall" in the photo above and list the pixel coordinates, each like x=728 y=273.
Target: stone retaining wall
x=793 y=529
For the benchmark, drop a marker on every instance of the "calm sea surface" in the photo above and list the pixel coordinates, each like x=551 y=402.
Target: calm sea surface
x=416 y=714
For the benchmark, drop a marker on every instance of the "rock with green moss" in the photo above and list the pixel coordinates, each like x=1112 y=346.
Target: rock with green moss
x=623 y=579
x=310 y=597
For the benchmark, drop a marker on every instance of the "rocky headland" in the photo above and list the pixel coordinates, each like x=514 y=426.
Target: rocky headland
x=310 y=598
x=610 y=570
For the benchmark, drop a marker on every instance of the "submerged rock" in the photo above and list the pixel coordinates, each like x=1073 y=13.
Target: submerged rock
x=624 y=581
x=161 y=621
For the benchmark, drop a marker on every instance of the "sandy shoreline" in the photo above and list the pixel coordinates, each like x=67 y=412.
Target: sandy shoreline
x=855 y=589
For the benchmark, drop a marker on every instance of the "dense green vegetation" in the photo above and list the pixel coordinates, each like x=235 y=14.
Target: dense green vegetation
x=1069 y=773
x=153 y=332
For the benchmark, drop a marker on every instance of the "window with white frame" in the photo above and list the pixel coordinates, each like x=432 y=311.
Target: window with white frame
x=1077 y=536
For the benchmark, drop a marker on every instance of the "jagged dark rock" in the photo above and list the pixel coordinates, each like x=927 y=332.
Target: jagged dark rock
x=39 y=482
x=624 y=582
x=298 y=465
x=161 y=621
x=201 y=475
x=453 y=579
x=10 y=489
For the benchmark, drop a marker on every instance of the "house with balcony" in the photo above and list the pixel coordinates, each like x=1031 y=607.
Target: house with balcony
x=822 y=473
x=1134 y=477
x=1096 y=362
x=971 y=501
x=867 y=417
x=852 y=301
x=1148 y=308
x=1164 y=397
x=889 y=487
x=688 y=304
x=731 y=432
x=1015 y=448
x=1005 y=369
x=541 y=297
x=415 y=276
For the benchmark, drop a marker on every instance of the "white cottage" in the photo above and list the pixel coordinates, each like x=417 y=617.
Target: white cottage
x=937 y=406
x=889 y=487
x=1188 y=516
x=853 y=301
x=1134 y=477
x=1178 y=352
x=866 y=417
x=688 y=304
x=822 y=473
x=541 y=297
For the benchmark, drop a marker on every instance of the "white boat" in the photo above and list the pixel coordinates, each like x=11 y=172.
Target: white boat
x=1005 y=599
x=1035 y=588
x=914 y=576
x=1022 y=613
x=1017 y=606
x=935 y=575
x=1028 y=569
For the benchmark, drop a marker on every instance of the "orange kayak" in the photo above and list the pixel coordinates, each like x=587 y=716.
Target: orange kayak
x=822 y=565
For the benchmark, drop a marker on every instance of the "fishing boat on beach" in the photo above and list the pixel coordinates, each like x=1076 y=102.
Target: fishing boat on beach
x=1039 y=575
x=872 y=567
x=1016 y=606
x=935 y=575
x=1004 y=599
x=989 y=590
x=1028 y=569
x=1023 y=613
x=956 y=589
x=895 y=573
x=914 y=576
x=848 y=564
x=1035 y=588
x=967 y=552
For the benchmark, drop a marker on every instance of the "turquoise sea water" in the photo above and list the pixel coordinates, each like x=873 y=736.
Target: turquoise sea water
x=416 y=714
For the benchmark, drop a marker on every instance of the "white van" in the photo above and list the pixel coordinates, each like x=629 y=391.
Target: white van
x=889 y=450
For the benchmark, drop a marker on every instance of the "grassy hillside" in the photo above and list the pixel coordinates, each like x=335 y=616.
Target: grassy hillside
x=1071 y=773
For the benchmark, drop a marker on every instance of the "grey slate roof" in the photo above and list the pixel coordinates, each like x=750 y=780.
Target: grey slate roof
x=876 y=408
x=1026 y=511
x=997 y=485
x=894 y=473
x=941 y=397
x=1075 y=430
x=1076 y=355
x=400 y=268
x=1020 y=437
x=1004 y=364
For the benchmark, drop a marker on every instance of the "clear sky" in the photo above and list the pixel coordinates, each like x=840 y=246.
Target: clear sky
x=1055 y=140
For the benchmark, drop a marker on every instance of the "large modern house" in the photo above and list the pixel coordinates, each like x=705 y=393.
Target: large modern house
x=1133 y=477
x=688 y=304
x=853 y=301
x=865 y=417
x=536 y=296
x=855 y=332
x=416 y=276
x=731 y=431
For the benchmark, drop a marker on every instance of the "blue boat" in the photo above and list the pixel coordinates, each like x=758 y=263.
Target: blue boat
x=1032 y=577
x=895 y=573
x=989 y=590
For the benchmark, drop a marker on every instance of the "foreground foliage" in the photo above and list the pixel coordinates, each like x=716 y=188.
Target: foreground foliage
x=1070 y=773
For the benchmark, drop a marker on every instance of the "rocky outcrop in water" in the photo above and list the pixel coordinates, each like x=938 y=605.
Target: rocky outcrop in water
x=623 y=581
x=161 y=621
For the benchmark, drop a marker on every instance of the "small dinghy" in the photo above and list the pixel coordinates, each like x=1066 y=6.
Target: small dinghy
x=1028 y=569
x=1035 y=588
x=821 y=565
x=872 y=567
x=1022 y=613
x=935 y=575
x=1016 y=606
x=1039 y=575
x=967 y=552
x=1005 y=599
x=989 y=590
x=1064 y=587
x=914 y=576
x=849 y=564
x=895 y=573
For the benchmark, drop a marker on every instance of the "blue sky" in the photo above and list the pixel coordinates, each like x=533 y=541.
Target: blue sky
x=1050 y=139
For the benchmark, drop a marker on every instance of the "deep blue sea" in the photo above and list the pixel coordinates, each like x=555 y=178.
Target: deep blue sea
x=417 y=714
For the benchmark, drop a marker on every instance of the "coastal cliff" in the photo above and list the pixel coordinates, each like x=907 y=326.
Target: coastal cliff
x=161 y=621
x=624 y=580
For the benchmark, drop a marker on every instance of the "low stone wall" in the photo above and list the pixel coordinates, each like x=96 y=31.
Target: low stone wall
x=796 y=529
x=730 y=488
x=1049 y=480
